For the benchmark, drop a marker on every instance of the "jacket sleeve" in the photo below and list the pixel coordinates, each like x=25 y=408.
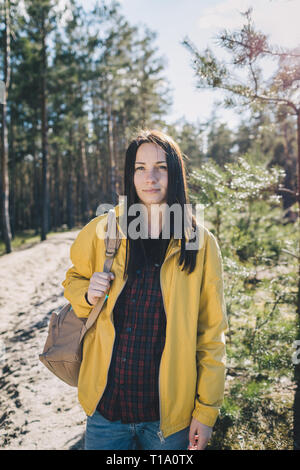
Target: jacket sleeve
x=212 y=325
x=76 y=283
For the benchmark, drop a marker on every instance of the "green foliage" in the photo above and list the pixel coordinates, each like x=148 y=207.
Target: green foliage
x=230 y=409
x=260 y=281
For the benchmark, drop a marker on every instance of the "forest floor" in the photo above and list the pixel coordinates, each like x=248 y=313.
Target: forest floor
x=38 y=411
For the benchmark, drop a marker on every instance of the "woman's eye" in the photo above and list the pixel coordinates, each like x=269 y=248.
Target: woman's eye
x=142 y=168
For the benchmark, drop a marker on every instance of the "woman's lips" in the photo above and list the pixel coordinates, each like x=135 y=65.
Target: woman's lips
x=151 y=190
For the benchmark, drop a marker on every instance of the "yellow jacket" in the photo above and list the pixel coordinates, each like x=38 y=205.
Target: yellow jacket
x=192 y=368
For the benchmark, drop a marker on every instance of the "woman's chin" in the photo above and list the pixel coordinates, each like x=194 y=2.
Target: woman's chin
x=152 y=198
x=157 y=198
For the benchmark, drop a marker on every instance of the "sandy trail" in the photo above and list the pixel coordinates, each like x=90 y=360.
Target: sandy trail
x=37 y=410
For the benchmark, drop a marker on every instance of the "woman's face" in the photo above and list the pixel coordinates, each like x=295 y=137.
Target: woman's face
x=151 y=174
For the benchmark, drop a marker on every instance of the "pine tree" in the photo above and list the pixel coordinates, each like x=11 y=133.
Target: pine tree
x=247 y=47
x=6 y=228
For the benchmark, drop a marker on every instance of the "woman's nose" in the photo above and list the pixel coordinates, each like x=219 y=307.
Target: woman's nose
x=151 y=175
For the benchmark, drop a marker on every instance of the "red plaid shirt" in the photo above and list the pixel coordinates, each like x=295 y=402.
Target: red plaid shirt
x=132 y=394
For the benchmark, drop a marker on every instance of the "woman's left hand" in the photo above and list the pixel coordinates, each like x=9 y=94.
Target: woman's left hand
x=202 y=431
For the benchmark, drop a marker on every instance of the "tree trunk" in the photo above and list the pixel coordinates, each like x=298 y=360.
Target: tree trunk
x=45 y=196
x=12 y=176
x=297 y=366
x=78 y=185
x=36 y=192
x=70 y=185
x=85 y=182
x=113 y=198
x=6 y=230
x=100 y=173
x=56 y=186
x=117 y=154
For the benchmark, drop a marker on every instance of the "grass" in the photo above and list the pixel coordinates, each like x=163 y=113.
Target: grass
x=257 y=414
x=27 y=238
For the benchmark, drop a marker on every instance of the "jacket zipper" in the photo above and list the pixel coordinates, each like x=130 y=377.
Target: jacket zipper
x=160 y=433
x=111 y=317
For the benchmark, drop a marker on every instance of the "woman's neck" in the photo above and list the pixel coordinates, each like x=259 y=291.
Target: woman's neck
x=155 y=213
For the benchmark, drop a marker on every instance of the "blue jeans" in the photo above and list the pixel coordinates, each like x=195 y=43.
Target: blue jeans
x=102 y=434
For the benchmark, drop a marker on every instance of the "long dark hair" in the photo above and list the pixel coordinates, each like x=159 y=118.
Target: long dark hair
x=176 y=193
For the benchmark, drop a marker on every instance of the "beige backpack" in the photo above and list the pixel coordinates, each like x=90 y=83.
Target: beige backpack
x=62 y=353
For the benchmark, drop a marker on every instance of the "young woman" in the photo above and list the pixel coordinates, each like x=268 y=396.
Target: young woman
x=153 y=368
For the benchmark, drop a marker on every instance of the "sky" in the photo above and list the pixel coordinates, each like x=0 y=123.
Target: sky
x=201 y=21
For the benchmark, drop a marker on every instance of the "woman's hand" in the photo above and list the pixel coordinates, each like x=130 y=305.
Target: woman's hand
x=99 y=285
x=202 y=431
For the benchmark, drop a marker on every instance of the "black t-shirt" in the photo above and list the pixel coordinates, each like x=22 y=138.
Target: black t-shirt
x=155 y=250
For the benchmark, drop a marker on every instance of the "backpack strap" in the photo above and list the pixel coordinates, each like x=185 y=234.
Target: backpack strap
x=112 y=243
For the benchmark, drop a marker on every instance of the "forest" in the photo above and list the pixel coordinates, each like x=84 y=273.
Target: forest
x=78 y=84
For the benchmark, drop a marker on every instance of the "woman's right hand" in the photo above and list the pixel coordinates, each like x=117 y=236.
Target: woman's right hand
x=99 y=286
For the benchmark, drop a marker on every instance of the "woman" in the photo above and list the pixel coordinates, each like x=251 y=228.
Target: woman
x=153 y=368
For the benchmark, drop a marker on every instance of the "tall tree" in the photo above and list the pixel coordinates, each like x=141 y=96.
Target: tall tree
x=190 y=138
x=247 y=47
x=6 y=229
x=42 y=16
x=220 y=143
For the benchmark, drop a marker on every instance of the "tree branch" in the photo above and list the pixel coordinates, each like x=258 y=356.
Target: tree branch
x=290 y=253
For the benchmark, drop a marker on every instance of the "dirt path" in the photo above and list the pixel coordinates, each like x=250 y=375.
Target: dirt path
x=37 y=410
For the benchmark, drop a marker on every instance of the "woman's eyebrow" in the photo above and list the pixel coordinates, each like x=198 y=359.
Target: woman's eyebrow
x=143 y=163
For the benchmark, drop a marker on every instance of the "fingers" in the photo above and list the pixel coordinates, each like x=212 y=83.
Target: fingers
x=193 y=435
x=100 y=277
x=193 y=438
x=99 y=285
x=101 y=280
x=202 y=443
x=199 y=435
x=193 y=442
x=198 y=443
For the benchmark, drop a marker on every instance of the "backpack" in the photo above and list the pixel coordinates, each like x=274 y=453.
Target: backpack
x=62 y=353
